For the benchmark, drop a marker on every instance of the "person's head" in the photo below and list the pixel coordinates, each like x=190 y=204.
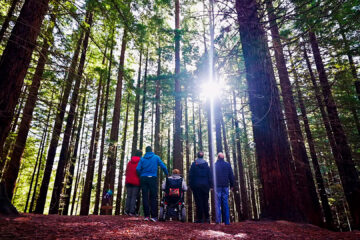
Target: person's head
x=200 y=155
x=220 y=155
x=176 y=171
x=148 y=149
x=138 y=153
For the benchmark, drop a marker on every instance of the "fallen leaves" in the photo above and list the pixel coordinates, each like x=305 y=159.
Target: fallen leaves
x=30 y=226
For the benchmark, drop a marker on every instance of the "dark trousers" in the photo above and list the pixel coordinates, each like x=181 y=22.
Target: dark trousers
x=201 y=196
x=149 y=194
x=132 y=193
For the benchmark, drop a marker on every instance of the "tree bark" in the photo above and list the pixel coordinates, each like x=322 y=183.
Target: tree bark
x=178 y=141
x=318 y=176
x=187 y=154
x=16 y=58
x=8 y=17
x=137 y=108
x=111 y=163
x=40 y=203
x=13 y=167
x=251 y=168
x=244 y=214
x=347 y=171
x=143 y=102
x=309 y=199
x=122 y=158
x=272 y=148
x=85 y=199
x=74 y=157
x=59 y=178
x=103 y=134
x=157 y=149
x=46 y=138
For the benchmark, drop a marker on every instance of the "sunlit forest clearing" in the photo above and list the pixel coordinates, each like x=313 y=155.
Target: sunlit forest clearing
x=271 y=84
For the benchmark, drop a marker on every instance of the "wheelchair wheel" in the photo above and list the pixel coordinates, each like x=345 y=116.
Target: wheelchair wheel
x=183 y=214
x=162 y=214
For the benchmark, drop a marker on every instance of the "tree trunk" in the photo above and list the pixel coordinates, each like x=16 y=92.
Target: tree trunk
x=194 y=129
x=103 y=134
x=15 y=60
x=40 y=203
x=311 y=144
x=244 y=214
x=187 y=154
x=347 y=171
x=217 y=118
x=9 y=142
x=73 y=158
x=59 y=178
x=236 y=172
x=157 y=150
x=42 y=149
x=178 y=141
x=81 y=162
x=8 y=17
x=137 y=109
x=111 y=163
x=122 y=158
x=272 y=148
x=12 y=171
x=201 y=148
x=211 y=156
x=143 y=102
x=251 y=168
x=85 y=199
x=309 y=199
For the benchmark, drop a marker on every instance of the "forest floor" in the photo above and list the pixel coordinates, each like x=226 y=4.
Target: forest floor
x=30 y=226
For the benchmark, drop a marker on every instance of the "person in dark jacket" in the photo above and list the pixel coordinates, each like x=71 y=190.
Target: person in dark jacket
x=200 y=183
x=147 y=170
x=132 y=182
x=224 y=178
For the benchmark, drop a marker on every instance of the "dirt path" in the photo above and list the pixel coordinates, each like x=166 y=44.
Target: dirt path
x=29 y=226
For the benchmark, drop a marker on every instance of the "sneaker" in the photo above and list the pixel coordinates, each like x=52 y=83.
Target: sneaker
x=146 y=219
x=154 y=219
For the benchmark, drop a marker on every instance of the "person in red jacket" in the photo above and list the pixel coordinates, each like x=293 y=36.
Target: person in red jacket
x=132 y=182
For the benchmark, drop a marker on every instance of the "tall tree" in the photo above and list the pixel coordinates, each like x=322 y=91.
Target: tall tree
x=59 y=178
x=15 y=61
x=318 y=176
x=244 y=214
x=11 y=173
x=103 y=134
x=143 y=102
x=73 y=158
x=137 y=107
x=272 y=148
x=40 y=203
x=347 y=171
x=111 y=163
x=309 y=201
x=178 y=146
x=122 y=158
x=85 y=198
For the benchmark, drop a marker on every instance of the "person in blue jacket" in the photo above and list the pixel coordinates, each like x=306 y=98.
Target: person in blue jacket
x=224 y=178
x=200 y=182
x=147 y=170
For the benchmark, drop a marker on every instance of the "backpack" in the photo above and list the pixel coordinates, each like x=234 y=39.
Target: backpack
x=173 y=187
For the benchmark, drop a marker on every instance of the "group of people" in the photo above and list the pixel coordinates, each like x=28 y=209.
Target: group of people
x=142 y=173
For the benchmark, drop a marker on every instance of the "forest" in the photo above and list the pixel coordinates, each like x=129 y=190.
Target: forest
x=273 y=84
